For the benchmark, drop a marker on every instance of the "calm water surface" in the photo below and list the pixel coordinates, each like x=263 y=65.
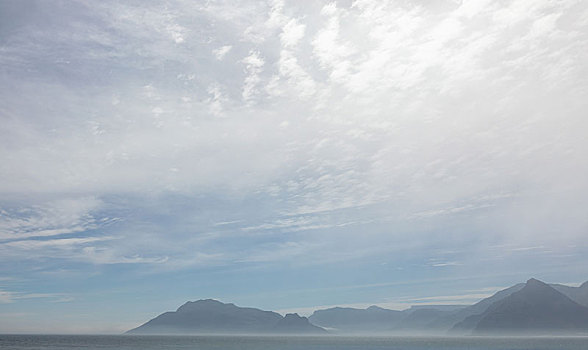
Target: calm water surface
x=94 y=342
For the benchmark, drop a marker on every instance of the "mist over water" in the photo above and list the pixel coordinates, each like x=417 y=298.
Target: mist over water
x=94 y=342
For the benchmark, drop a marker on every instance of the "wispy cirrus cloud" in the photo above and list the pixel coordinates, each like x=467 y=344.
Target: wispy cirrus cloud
x=52 y=218
x=10 y=296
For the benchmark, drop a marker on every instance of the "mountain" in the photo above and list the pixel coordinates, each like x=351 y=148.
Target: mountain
x=212 y=317
x=293 y=323
x=372 y=319
x=465 y=320
x=536 y=308
x=532 y=307
x=577 y=294
x=378 y=320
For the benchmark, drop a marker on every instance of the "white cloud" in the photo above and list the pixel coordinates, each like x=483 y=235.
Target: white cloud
x=7 y=297
x=331 y=52
x=253 y=66
x=64 y=243
x=471 y=8
x=295 y=76
x=464 y=299
x=58 y=217
x=339 y=110
x=292 y=33
x=93 y=250
x=106 y=255
x=216 y=100
x=221 y=52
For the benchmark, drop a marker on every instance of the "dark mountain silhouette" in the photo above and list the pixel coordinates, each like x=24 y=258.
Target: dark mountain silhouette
x=293 y=323
x=213 y=317
x=372 y=319
x=465 y=320
x=536 y=308
x=577 y=294
x=526 y=308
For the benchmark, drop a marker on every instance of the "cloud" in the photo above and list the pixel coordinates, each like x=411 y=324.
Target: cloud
x=253 y=66
x=395 y=121
x=52 y=218
x=108 y=256
x=67 y=228
x=292 y=33
x=91 y=250
x=331 y=53
x=222 y=51
x=7 y=297
x=463 y=299
x=443 y=264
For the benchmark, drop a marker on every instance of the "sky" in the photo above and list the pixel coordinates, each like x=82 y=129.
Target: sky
x=286 y=155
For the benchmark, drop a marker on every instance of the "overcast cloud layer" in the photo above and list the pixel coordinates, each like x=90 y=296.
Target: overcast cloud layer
x=286 y=154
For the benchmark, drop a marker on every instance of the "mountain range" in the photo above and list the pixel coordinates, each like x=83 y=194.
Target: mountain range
x=537 y=308
x=213 y=317
x=533 y=307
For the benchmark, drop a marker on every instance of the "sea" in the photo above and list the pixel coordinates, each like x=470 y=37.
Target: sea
x=132 y=342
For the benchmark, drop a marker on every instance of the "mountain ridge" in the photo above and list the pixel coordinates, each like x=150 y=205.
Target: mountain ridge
x=536 y=308
x=210 y=316
x=528 y=307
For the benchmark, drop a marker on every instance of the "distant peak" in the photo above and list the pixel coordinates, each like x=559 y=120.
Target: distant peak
x=535 y=282
x=293 y=315
x=202 y=303
x=537 y=287
x=584 y=285
x=207 y=301
x=374 y=307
